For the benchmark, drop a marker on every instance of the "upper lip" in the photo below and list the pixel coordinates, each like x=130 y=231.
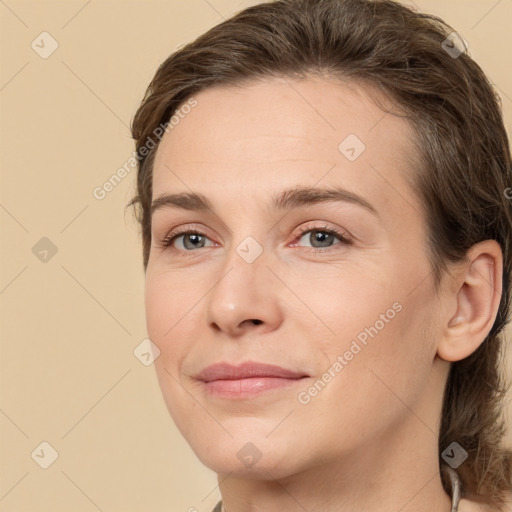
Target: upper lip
x=226 y=371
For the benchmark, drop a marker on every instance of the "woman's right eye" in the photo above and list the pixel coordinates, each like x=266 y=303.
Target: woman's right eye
x=190 y=240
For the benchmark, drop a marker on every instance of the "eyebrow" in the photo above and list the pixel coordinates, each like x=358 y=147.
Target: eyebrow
x=286 y=200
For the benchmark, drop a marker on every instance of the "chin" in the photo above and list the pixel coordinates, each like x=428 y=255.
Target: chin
x=267 y=469
x=248 y=456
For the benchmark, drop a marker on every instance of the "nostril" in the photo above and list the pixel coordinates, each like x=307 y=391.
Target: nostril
x=256 y=322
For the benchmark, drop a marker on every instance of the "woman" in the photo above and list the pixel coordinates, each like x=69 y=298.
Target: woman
x=327 y=244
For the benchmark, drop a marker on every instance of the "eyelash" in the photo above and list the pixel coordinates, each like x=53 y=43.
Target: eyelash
x=167 y=242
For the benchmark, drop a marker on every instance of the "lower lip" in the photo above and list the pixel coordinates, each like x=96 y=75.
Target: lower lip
x=248 y=388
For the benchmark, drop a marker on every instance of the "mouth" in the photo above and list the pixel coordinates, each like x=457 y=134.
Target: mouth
x=247 y=380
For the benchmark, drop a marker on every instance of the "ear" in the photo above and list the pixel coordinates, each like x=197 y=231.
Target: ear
x=477 y=294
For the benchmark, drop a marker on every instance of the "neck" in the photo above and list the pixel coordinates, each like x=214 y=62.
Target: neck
x=396 y=472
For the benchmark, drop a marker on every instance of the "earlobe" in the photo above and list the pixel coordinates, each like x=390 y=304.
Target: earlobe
x=478 y=293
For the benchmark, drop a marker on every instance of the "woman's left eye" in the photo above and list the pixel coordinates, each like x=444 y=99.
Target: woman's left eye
x=323 y=237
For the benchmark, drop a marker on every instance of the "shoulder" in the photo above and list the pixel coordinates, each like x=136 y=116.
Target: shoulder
x=467 y=505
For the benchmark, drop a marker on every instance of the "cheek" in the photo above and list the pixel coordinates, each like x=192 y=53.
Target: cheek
x=166 y=318
x=392 y=370
x=167 y=304
x=378 y=334
x=166 y=309
x=341 y=304
x=158 y=303
x=379 y=384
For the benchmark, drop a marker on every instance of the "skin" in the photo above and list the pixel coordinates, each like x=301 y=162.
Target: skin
x=368 y=440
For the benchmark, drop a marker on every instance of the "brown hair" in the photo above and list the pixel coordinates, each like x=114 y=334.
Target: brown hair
x=461 y=146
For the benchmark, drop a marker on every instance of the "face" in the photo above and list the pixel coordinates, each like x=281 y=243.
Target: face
x=334 y=287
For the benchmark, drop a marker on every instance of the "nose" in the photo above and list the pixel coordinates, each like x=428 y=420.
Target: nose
x=246 y=297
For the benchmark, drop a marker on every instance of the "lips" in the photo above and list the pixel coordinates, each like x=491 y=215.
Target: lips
x=248 y=380
x=248 y=370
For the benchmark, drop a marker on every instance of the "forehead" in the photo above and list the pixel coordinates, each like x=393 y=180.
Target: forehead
x=257 y=138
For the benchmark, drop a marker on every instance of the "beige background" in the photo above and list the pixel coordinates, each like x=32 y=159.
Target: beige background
x=69 y=325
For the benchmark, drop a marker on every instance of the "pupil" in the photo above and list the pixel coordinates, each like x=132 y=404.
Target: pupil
x=322 y=237
x=194 y=238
